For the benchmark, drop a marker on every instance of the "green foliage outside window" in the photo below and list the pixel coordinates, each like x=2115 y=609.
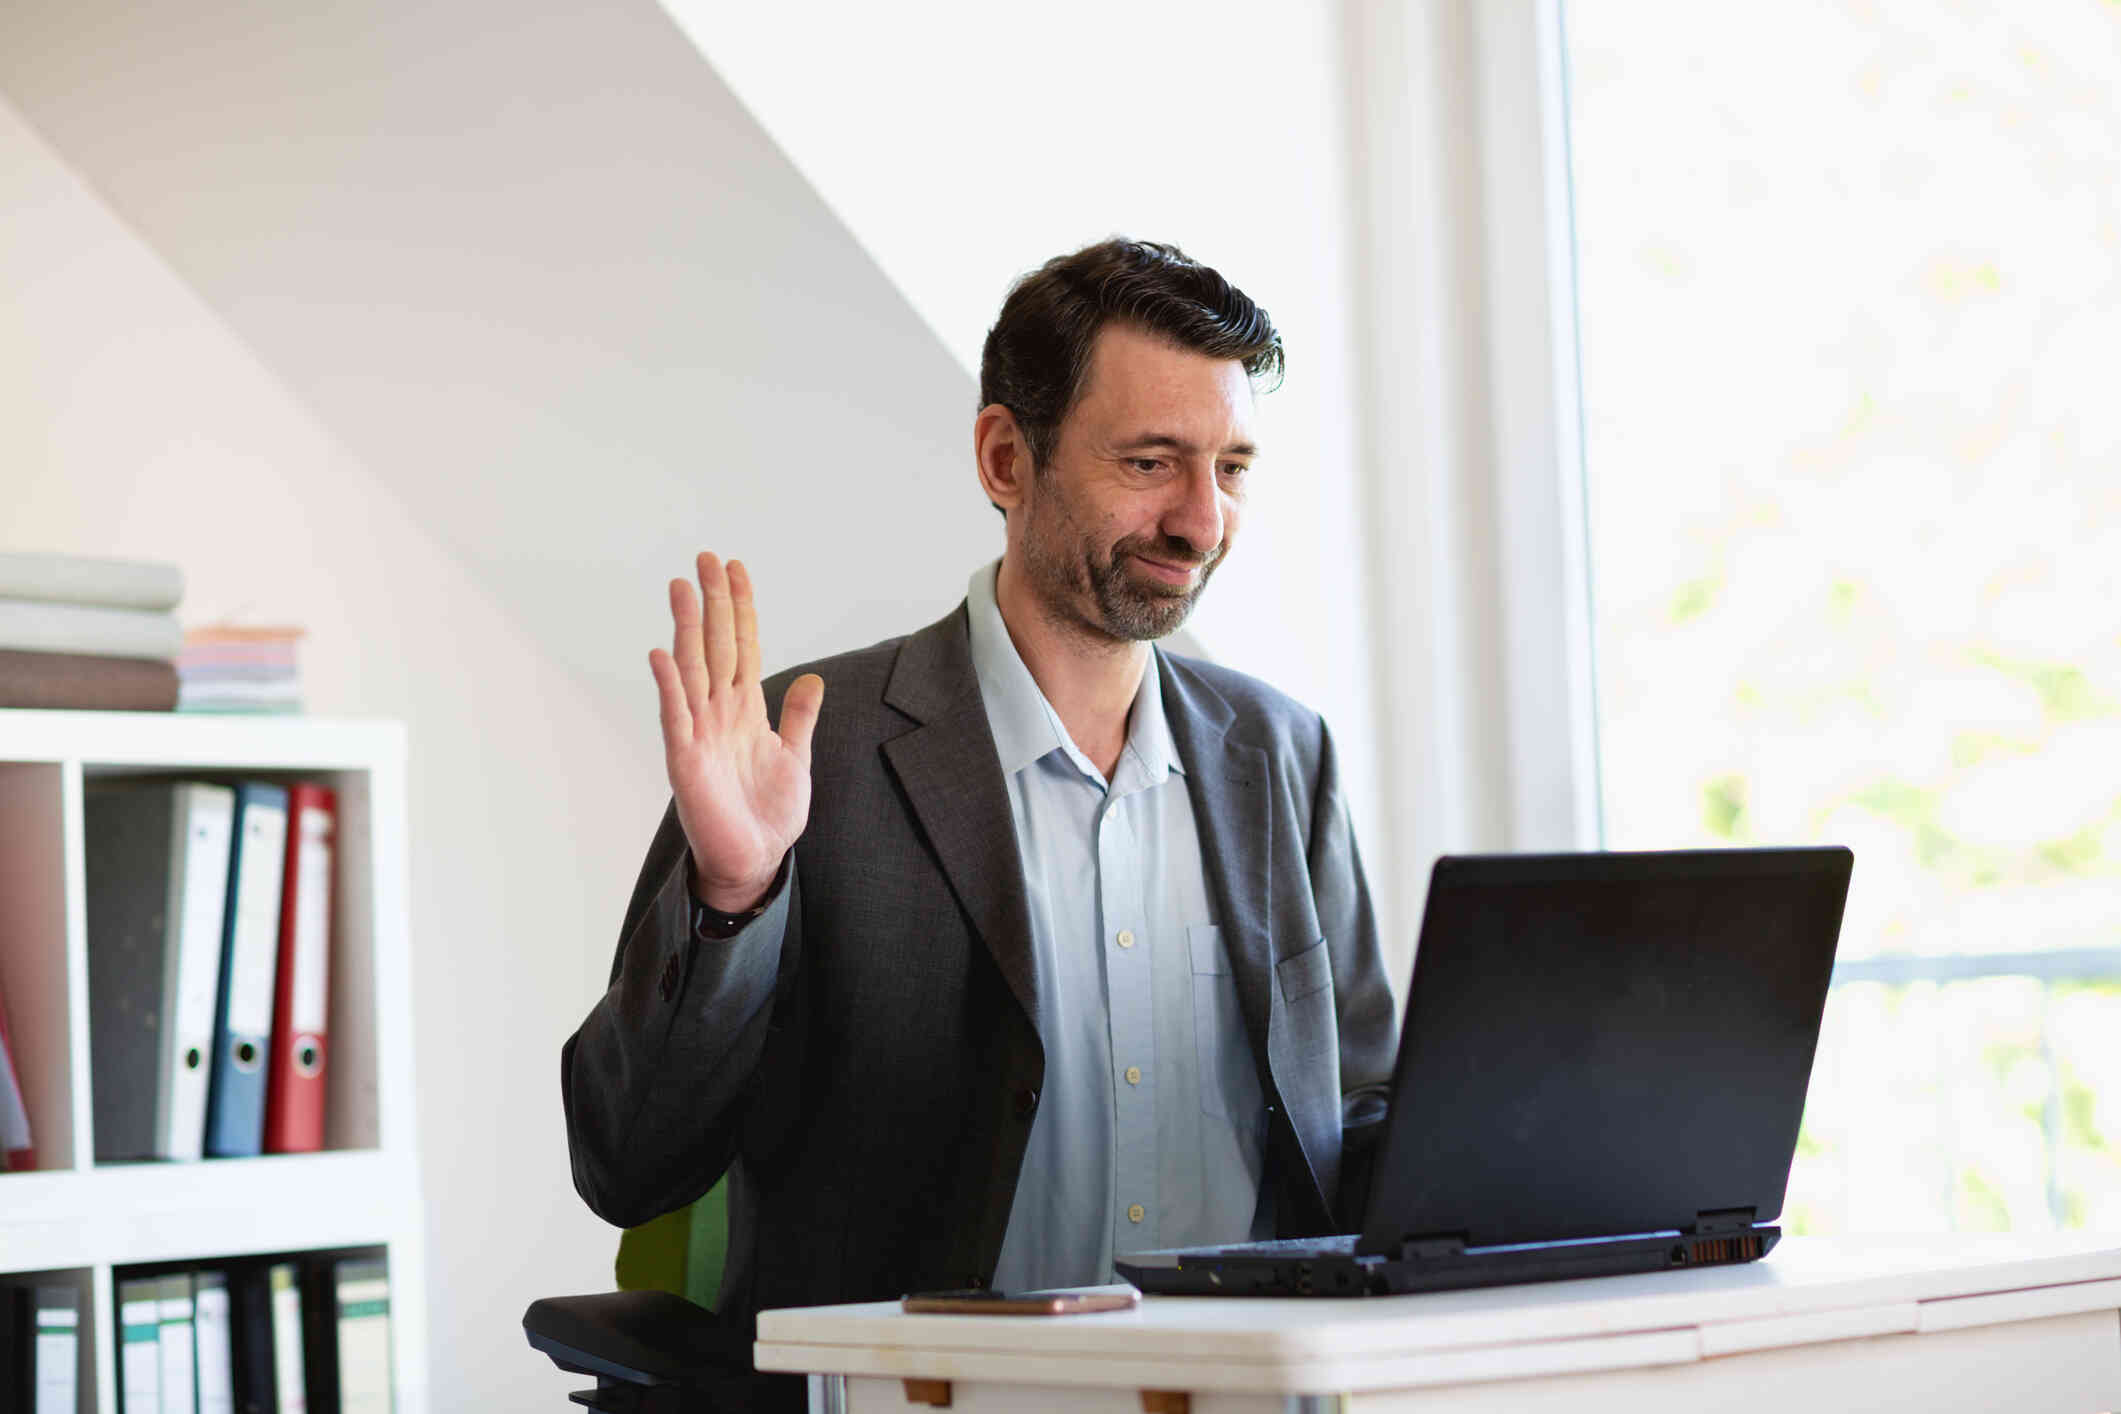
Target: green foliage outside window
x=1850 y=291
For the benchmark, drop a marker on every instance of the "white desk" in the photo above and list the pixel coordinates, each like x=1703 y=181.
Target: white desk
x=2019 y=1323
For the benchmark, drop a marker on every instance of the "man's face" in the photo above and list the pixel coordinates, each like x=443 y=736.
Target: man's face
x=1139 y=500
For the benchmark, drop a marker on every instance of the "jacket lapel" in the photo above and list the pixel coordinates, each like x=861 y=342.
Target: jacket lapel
x=952 y=776
x=1233 y=805
x=1232 y=810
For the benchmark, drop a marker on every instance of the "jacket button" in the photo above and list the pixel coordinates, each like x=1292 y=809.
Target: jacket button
x=1026 y=1102
x=668 y=983
x=976 y=1282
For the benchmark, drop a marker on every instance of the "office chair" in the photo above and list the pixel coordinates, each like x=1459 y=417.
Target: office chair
x=654 y=1345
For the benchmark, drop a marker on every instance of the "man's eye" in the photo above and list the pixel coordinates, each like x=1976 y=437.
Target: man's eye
x=1235 y=469
x=1145 y=463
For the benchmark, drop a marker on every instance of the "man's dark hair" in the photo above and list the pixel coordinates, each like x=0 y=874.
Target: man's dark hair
x=1038 y=352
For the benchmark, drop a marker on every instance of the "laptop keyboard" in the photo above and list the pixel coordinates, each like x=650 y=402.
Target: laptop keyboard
x=1342 y=1245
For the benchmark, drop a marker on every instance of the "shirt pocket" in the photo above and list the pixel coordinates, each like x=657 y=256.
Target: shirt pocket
x=1306 y=974
x=1229 y=1088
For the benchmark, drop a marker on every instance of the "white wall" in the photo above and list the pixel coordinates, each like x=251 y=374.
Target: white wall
x=133 y=424
x=964 y=143
x=535 y=267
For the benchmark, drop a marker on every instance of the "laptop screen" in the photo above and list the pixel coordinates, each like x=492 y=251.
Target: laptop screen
x=1602 y=1044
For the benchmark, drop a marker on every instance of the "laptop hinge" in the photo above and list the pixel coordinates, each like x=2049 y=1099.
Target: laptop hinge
x=1416 y=1247
x=1712 y=1220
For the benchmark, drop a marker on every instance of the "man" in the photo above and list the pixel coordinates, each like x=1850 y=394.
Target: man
x=1017 y=943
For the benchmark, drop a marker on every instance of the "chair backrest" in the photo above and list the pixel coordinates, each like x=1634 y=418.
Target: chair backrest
x=681 y=1252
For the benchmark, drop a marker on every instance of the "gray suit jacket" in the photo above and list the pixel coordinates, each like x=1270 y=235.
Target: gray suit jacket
x=864 y=1060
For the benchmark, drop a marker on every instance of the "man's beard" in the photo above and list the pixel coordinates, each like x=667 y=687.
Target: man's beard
x=1128 y=609
x=1142 y=610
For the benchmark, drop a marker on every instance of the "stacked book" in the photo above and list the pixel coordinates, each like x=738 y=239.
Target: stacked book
x=230 y=669
x=79 y=632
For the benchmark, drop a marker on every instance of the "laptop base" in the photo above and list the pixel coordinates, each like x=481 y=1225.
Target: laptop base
x=1334 y=1268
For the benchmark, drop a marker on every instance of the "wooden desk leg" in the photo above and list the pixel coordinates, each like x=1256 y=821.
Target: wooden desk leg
x=935 y=1393
x=1166 y=1401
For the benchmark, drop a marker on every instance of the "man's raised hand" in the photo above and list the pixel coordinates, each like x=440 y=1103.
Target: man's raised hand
x=742 y=790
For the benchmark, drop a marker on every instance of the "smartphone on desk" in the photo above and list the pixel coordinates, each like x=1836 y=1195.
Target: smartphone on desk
x=978 y=1301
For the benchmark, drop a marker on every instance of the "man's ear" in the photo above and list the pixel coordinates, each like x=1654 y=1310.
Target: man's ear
x=1003 y=459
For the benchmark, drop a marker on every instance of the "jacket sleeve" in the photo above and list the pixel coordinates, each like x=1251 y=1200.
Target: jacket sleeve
x=1362 y=994
x=654 y=1080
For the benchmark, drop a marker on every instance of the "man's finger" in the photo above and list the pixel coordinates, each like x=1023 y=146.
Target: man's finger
x=720 y=627
x=799 y=709
x=670 y=695
x=686 y=650
x=747 y=624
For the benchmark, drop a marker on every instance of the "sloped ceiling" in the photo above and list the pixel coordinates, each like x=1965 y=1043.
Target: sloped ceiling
x=964 y=141
x=537 y=268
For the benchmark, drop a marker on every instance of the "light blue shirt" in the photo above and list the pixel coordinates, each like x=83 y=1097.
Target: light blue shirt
x=1151 y=1128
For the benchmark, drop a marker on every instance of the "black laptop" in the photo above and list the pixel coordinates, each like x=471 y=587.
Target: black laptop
x=1601 y=1070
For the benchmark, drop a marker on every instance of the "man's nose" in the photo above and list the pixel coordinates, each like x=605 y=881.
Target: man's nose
x=1197 y=518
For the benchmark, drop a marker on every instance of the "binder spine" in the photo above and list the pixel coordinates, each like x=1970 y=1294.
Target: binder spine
x=169 y=967
x=139 y=1348
x=17 y=1141
x=294 y=1106
x=290 y=1365
x=235 y=1106
x=58 y=1352
x=213 y=1340
x=363 y=1306
x=17 y=1352
x=195 y=966
x=250 y=1338
x=179 y=1378
x=130 y=835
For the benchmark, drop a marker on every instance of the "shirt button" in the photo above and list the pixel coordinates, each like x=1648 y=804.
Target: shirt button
x=1125 y=938
x=1134 y=1075
x=1111 y=813
x=1136 y=1213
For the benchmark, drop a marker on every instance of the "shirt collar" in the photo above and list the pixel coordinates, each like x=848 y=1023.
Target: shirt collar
x=1024 y=724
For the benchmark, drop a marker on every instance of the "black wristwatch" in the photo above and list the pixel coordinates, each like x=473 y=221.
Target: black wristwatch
x=713 y=924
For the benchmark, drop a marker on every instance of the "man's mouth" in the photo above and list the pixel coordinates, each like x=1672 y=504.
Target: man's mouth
x=1168 y=573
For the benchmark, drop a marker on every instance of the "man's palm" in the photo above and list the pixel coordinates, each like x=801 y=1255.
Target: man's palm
x=742 y=789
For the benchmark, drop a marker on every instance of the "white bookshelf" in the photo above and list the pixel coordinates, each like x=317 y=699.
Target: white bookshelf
x=74 y=1216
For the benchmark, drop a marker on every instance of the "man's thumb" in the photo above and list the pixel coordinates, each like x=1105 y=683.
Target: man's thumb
x=799 y=709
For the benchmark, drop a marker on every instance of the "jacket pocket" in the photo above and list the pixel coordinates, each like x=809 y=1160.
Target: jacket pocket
x=1306 y=974
x=1222 y=1054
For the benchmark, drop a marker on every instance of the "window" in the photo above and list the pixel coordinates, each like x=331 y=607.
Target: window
x=1849 y=291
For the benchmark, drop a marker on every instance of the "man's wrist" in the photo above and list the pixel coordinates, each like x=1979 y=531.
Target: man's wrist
x=723 y=910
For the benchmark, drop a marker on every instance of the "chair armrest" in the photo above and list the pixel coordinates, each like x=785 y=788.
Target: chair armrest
x=636 y=1337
